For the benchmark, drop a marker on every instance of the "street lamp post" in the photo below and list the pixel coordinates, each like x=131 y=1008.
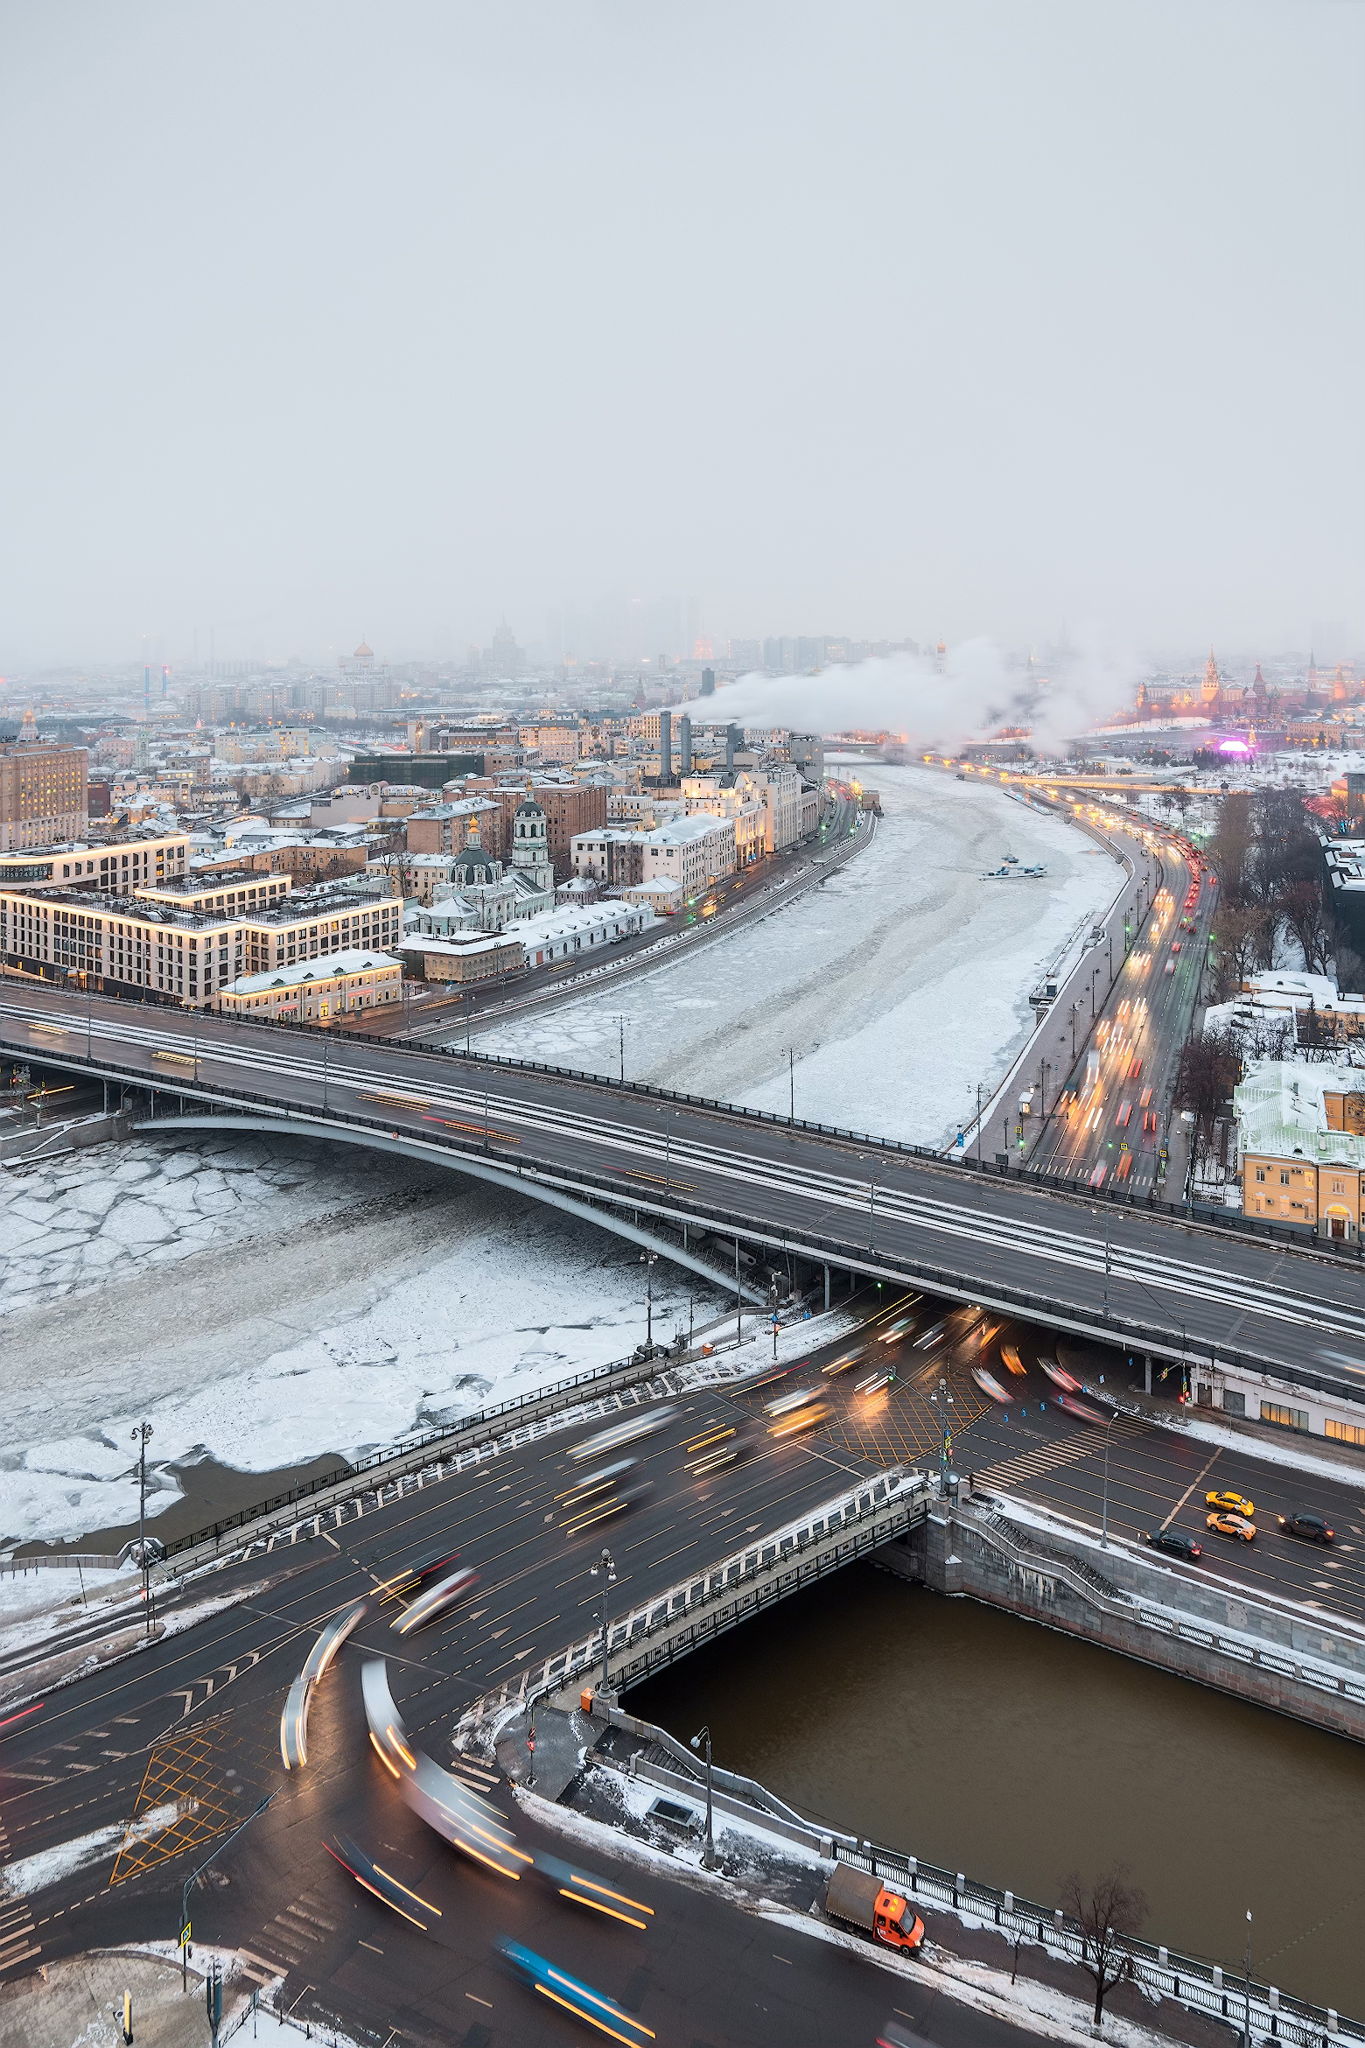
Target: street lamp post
x=1104 y=1512
x=141 y=1436
x=708 y=1861
x=649 y=1260
x=943 y=1402
x=1246 y=1989
x=605 y=1569
x=791 y=1084
x=195 y=1875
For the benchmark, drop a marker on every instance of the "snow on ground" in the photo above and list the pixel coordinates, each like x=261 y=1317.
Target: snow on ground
x=1030 y=2006
x=25 y=1594
x=29 y=1874
x=335 y=1302
x=900 y=983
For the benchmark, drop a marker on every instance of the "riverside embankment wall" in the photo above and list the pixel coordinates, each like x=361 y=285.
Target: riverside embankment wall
x=1037 y=1567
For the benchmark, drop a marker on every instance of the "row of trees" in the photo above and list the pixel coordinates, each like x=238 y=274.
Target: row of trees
x=1269 y=867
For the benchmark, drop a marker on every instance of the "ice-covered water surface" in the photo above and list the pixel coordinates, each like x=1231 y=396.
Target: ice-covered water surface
x=266 y=1304
x=898 y=985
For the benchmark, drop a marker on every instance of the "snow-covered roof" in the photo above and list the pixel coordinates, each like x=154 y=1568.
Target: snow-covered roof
x=1308 y=988
x=679 y=830
x=462 y=943
x=1281 y=1111
x=327 y=967
x=567 y=918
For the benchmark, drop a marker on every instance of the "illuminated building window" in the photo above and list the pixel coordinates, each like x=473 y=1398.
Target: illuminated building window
x=1287 y=1418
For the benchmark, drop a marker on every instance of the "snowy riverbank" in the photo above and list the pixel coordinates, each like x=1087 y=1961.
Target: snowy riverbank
x=266 y=1306
x=899 y=984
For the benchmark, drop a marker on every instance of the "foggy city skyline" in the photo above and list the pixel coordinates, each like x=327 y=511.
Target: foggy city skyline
x=986 y=323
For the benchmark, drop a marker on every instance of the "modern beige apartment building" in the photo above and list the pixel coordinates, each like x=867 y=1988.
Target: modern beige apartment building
x=184 y=938
x=42 y=794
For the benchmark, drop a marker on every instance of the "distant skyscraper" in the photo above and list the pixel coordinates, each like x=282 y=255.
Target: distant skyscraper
x=504 y=656
x=708 y=682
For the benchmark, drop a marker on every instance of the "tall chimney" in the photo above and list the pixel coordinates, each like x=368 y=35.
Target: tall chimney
x=685 y=744
x=665 y=747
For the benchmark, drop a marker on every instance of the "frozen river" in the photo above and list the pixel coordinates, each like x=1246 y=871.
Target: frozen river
x=264 y=1305
x=899 y=984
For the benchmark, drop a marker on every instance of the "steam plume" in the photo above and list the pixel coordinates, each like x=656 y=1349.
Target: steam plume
x=977 y=689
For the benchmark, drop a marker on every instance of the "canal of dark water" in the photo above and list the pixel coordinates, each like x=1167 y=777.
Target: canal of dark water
x=998 y=1748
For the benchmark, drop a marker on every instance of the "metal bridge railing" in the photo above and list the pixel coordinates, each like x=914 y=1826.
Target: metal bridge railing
x=1190 y=1980
x=703 y=1605
x=444 y=1443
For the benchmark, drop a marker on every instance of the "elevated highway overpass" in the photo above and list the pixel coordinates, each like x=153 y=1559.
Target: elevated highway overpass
x=672 y=1170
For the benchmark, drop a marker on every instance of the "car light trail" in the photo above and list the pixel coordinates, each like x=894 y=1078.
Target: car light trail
x=585 y=2004
x=294 y=1719
x=382 y=1884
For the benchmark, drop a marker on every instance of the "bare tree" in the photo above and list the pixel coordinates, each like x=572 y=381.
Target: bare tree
x=1244 y=933
x=393 y=857
x=1106 y=1909
x=1231 y=850
x=1210 y=1068
x=1301 y=903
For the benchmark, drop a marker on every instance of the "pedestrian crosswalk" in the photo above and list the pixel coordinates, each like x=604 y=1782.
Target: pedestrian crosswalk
x=285 y=1942
x=17 y=1944
x=1046 y=1458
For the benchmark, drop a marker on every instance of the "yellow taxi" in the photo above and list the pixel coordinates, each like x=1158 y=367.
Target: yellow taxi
x=1231 y=1503
x=1235 y=1526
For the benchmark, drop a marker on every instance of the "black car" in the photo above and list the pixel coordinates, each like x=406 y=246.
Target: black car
x=1312 y=1528
x=1174 y=1543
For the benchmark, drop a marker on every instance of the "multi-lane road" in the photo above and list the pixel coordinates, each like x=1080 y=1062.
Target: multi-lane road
x=151 y=1761
x=1154 y=1280
x=1111 y=1121
x=1122 y=1015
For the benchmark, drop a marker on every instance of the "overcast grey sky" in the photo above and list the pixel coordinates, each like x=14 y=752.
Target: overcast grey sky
x=985 y=317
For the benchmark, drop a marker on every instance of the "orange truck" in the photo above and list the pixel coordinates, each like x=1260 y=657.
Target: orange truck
x=863 y=1901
